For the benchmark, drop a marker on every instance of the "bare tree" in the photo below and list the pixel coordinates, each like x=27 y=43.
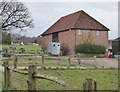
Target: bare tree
x=14 y=15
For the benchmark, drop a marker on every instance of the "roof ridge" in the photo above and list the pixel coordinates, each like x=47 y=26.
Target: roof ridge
x=72 y=13
x=91 y=18
x=76 y=18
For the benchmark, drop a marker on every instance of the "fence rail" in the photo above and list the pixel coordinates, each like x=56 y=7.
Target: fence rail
x=51 y=78
x=32 y=76
x=70 y=60
x=18 y=71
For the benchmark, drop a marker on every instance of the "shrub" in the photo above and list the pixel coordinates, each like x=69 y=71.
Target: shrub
x=90 y=49
x=22 y=50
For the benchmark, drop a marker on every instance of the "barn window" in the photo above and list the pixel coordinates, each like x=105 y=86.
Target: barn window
x=79 y=32
x=55 y=37
x=97 y=33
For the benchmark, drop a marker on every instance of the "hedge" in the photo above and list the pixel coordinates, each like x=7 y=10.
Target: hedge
x=90 y=49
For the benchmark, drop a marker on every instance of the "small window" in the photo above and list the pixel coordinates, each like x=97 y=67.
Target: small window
x=79 y=32
x=97 y=33
x=55 y=37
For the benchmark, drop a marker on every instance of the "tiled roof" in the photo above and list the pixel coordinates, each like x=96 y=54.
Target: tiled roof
x=75 y=20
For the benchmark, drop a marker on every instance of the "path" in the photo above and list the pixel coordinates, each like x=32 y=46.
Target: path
x=103 y=62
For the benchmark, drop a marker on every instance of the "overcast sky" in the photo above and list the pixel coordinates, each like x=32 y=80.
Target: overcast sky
x=47 y=13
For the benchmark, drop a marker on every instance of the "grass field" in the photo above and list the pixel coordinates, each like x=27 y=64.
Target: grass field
x=106 y=79
x=28 y=48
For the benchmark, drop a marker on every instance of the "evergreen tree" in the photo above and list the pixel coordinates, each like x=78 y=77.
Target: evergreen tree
x=6 y=38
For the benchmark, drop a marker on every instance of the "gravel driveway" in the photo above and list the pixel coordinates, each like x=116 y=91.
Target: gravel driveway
x=103 y=62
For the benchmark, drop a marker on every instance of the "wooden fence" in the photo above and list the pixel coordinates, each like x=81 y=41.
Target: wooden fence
x=89 y=84
x=43 y=57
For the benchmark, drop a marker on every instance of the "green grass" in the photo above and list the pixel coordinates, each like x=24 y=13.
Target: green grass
x=28 y=48
x=106 y=79
x=82 y=55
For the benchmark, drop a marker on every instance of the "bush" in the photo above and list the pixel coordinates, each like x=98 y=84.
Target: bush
x=90 y=49
x=22 y=50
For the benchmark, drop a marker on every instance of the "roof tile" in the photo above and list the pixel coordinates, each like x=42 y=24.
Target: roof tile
x=75 y=20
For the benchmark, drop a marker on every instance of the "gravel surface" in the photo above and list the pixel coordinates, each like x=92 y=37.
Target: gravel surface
x=103 y=62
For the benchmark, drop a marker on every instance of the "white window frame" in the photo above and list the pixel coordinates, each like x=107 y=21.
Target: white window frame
x=98 y=33
x=79 y=32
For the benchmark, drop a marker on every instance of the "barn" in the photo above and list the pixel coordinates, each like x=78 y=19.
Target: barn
x=74 y=29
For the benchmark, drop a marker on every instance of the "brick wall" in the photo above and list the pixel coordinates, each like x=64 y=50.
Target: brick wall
x=91 y=37
x=71 y=38
x=67 y=39
x=102 y=39
x=45 y=40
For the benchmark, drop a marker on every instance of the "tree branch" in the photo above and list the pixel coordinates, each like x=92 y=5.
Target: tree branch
x=15 y=15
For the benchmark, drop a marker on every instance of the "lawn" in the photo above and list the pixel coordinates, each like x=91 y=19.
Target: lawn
x=106 y=79
x=28 y=48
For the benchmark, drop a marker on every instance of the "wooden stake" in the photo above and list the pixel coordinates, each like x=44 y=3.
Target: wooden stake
x=42 y=60
x=31 y=81
x=90 y=85
x=15 y=62
x=7 y=75
x=69 y=60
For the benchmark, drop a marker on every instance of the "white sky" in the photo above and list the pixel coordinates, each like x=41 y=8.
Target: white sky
x=47 y=12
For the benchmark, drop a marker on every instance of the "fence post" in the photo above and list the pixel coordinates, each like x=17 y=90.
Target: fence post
x=78 y=57
x=7 y=75
x=31 y=79
x=95 y=66
x=90 y=85
x=79 y=62
x=59 y=59
x=15 y=61
x=42 y=60
x=69 y=60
